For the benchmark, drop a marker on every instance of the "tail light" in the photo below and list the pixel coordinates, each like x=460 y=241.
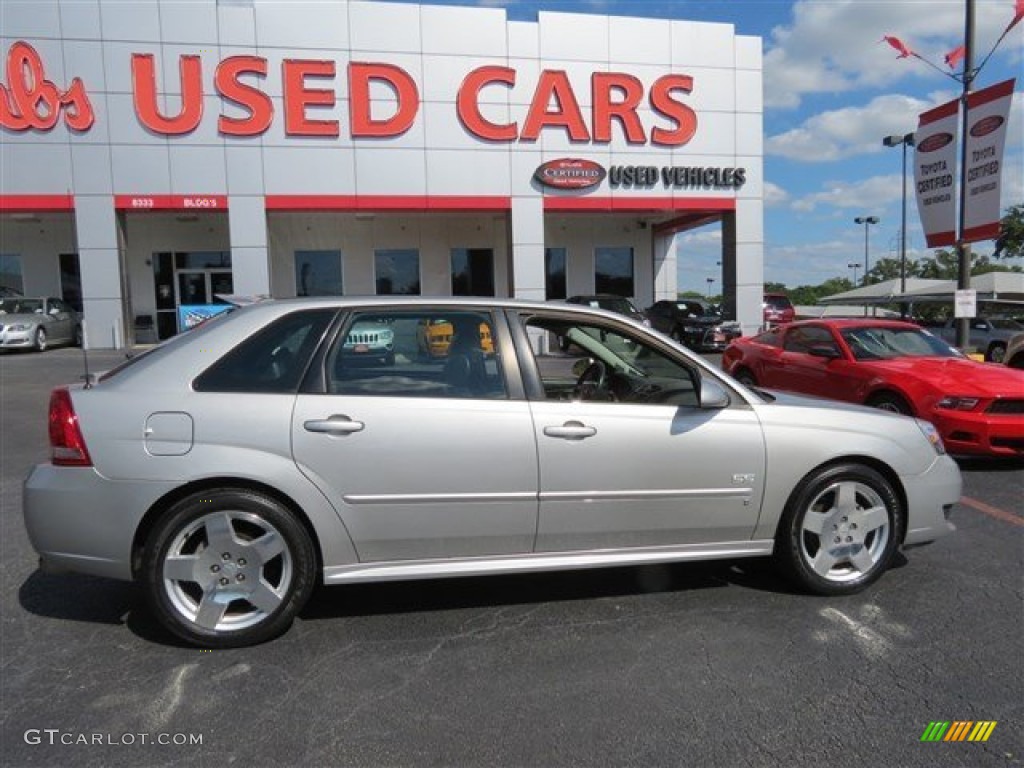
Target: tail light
x=67 y=446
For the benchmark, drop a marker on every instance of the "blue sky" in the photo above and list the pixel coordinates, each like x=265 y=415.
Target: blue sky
x=832 y=91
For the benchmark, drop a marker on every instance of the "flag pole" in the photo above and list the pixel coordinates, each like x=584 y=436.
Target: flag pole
x=963 y=281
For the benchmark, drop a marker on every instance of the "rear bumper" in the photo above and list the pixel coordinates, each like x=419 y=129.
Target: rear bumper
x=930 y=498
x=80 y=521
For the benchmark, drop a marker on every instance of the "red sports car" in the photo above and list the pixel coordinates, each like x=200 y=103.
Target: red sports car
x=897 y=366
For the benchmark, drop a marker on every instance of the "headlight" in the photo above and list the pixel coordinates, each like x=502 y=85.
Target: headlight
x=958 y=403
x=931 y=434
x=19 y=327
x=387 y=336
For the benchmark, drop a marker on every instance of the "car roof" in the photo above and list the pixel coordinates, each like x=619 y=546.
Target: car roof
x=854 y=322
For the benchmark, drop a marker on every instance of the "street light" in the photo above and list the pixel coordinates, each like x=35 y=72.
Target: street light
x=906 y=140
x=854 y=266
x=866 y=221
x=709 y=280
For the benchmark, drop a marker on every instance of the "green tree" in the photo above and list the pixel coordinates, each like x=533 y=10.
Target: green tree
x=1010 y=244
x=889 y=269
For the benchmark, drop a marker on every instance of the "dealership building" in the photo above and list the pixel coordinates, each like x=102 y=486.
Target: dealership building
x=156 y=154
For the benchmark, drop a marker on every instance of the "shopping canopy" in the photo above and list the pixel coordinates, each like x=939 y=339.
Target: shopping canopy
x=1005 y=287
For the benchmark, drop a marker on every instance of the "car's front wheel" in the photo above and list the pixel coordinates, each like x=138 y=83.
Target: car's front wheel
x=228 y=568
x=840 y=530
x=996 y=353
x=40 y=343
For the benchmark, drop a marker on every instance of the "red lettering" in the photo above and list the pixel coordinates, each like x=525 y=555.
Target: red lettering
x=554 y=83
x=605 y=110
x=363 y=124
x=254 y=101
x=30 y=101
x=683 y=116
x=469 y=106
x=144 y=92
x=297 y=97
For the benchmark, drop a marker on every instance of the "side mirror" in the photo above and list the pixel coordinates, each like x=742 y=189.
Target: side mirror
x=712 y=395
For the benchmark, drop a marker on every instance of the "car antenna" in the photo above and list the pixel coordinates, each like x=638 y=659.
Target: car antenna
x=87 y=377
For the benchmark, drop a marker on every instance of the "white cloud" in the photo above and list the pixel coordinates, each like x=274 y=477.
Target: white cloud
x=835 y=46
x=774 y=195
x=868 y=196
x=849 y=131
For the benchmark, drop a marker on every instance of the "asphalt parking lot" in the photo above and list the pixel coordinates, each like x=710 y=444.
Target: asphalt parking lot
x=701 y=664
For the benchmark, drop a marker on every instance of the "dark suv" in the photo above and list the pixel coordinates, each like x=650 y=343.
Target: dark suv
x=694 y=323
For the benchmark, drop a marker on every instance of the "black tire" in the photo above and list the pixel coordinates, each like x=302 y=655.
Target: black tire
x=229 y=590
x=745 y=377
x=891 y=402
x=40 y=343
x=996 y=353
x=1017 y=361
x=840 y=530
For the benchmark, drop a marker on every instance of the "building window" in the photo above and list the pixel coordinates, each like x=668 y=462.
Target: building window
x=71 y=280
x=472 y=272
x=613 y=270
x=10 y=272
x=554 y=273
x=398 y=272
x=318 y=273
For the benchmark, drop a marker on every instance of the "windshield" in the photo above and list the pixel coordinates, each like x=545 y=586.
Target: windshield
x=1006 y=324
x=20 y=306
x=885 y=343
x=777 y=302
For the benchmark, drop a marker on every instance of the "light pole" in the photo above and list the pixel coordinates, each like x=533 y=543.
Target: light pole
x=710 y=281
x=854 y=266
x=906 y=140
x=867 y=221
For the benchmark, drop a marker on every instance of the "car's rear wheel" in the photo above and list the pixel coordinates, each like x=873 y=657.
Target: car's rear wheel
x=40 y=344
x=893 y=403
x=840 y=530
x=228 y=568
x=996 y=353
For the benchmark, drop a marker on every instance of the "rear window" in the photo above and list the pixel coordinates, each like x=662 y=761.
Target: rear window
x=272 y=360
x=778 y=302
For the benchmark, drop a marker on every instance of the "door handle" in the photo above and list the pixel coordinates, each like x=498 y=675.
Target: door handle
x=571 y=430
x=338 y=424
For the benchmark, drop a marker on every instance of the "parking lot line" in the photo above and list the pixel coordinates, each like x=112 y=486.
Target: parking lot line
x=996 y=512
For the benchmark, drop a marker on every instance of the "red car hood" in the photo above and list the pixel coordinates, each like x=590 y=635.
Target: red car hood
x=954 y=375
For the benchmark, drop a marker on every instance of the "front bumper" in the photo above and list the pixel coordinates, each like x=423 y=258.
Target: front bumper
x=930 y=497
x=17 y=339
x=78 y=520
x=967 y=433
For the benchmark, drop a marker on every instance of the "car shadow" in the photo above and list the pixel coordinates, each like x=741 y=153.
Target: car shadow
x=990 y=464
x=556 y=586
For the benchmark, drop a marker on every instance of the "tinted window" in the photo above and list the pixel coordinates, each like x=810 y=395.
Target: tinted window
x=422 y=353
x=272 y=359
x=613 y=271
x=810 y=337
x=397 y=272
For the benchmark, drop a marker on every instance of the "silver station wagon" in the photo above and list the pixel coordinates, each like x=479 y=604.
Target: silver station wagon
x=232 y=469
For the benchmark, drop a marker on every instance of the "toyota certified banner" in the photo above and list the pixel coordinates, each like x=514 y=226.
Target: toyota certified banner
x=935 y=173
x=987 y=118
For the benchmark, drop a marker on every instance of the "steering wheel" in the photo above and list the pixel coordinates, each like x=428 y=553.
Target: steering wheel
x=591 y=381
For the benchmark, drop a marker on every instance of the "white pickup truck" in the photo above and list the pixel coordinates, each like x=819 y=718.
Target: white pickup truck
x=989 y=335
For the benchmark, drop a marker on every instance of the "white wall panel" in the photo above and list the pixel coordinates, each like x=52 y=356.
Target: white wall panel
x=306 y=24
x=749 y=91
x=198 y=170
x=186 y=21
x=642 y=41
x=244 y=170
x=84 y=59
x=80 y=19
x=141 y=170
x=273 y=83
x=463 y=173
x=35 y=168
x=30 y=19
x=579 y=37
x=50 y=52
x=170 y=63
x=748 y=52
x=463 y=31
x=390 y=172
x=236 y=25
x=443 y=76
x=702 y=44
x=442 y=128
x=91 y=169
x=297 y=171
x=117 y=63
x=523 y=40
x=132 y=20
x=390 y=27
